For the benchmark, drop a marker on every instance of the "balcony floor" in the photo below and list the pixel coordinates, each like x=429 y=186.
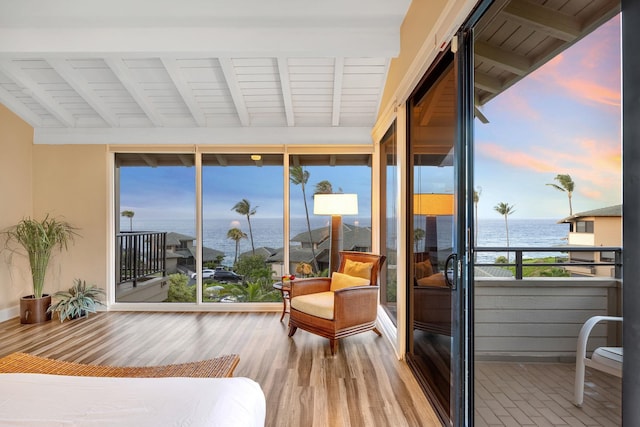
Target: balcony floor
x=540 y=394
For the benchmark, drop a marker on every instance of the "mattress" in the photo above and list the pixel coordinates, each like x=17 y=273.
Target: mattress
x=65 y=401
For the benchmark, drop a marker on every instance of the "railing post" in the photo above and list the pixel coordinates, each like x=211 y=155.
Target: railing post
x=518 y=264
x=618 y=266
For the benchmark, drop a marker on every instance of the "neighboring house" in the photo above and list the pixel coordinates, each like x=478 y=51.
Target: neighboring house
x=354 y=238
x=598 y=227
x=181 y=253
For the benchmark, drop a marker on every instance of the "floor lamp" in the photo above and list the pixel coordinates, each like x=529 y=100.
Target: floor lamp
x=432 y=205
x=335 y=205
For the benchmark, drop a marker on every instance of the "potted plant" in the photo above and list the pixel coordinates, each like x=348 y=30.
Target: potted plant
x=39 y=239
x=80 y=300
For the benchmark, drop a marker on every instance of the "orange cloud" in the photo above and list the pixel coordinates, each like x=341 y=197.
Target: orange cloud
x=514 y=158
x=590 y=193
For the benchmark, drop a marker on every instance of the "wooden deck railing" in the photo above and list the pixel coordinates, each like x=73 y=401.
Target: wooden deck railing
x=140 y=255
x=521 y=250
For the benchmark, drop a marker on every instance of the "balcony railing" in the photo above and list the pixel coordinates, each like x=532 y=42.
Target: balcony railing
x=140 y=255
x=521 y=250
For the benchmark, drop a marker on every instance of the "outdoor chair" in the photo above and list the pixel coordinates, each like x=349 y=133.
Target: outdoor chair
x=343 y=305
x=605 y=359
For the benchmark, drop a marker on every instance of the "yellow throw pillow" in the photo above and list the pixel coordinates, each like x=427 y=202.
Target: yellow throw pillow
x=423 y=269
x=358 y=269
x=341 y=281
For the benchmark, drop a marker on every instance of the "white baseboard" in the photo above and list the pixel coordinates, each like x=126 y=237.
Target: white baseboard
x=9 y=313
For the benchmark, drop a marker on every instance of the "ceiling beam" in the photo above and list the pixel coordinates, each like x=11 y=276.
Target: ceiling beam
x=552 y=22
x=338 y=74
x=75 y=79
x=186 y=159
x=508 y=61
x=48 y=102
x=222 y=136
x=285 y=87
x=185 y=91
x=19 y=108
x=124 y=74
x=222 y=161
x=488 y=83
x=150 y=161
x=234 y=88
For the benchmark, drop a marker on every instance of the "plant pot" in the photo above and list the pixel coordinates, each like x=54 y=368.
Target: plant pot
x=34 y=310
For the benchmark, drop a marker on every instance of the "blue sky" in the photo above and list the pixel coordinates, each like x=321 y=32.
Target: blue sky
x=563 y=118
x=169 y=192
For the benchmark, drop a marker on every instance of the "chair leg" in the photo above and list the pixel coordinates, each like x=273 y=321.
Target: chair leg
x=333 y=344
x=377 y=332
x=578 y=392
x=292 y=330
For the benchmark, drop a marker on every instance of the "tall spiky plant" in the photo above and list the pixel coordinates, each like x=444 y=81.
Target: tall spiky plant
x=39 y=239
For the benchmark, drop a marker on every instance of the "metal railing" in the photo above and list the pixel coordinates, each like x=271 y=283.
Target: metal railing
x=140 y=255
x=520 y=265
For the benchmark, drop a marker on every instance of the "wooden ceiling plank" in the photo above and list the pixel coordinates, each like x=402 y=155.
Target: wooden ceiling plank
x=185 y=91
x=338 y=74
x=124 y=74
x=15 y=73
x=551 y=22
x=82 y=87
x=509 y=61
x=234 y=88
x=285 y=87
x=19 y=108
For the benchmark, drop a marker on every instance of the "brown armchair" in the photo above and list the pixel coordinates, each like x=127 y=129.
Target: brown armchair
x=322 y=306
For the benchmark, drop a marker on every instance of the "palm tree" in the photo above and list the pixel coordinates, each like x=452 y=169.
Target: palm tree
x=505 y=210
x=236 y=235
x=299 y=176
x=418 y=234
x=243 y=207
x=129 y=214
x=323 y=187
x=567 y=185
x=476 y=200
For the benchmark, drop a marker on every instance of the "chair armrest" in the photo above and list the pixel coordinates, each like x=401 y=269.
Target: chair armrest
x=355 y=305
x=583 y=337
x=311 y=285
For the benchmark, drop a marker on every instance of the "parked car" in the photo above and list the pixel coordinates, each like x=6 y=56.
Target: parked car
x=206 y=273
x=225 y=276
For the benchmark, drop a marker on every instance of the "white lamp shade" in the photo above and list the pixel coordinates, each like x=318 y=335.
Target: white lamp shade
x=335 y=204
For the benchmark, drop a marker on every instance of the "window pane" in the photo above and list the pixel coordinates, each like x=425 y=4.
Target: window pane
x=242 y=232
x=388 y=217
x=155 y=231
x=309 y=244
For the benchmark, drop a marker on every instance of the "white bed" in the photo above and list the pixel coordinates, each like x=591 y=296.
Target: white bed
x=53 y=400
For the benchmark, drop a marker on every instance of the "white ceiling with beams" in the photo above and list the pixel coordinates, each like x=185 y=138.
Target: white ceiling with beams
x=197 y=71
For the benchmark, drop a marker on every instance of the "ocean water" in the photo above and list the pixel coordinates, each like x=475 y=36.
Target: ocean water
x=269 y=232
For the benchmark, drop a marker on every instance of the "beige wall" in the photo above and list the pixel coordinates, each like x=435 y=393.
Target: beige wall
x=420 y=20
x=608 y=231
x=70 y=181
x=16 y=142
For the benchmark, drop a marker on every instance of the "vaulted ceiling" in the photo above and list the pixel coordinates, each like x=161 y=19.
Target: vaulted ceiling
x=242 y=71
x=198 y=70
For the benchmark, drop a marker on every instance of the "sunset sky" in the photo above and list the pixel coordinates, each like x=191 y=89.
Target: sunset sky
x=563 y=118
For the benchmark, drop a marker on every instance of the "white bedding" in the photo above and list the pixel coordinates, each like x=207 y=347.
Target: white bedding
x=53 y=400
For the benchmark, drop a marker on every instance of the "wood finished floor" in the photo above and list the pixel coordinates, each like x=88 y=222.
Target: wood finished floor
x=363 y=385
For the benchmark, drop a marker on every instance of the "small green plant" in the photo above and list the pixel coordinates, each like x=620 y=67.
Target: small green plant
x=80 y=300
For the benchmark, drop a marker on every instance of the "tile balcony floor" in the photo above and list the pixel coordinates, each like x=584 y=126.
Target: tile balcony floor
x=541 y=394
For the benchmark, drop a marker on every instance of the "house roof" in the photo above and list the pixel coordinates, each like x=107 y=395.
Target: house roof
x=176 y=239
x=609 y=211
